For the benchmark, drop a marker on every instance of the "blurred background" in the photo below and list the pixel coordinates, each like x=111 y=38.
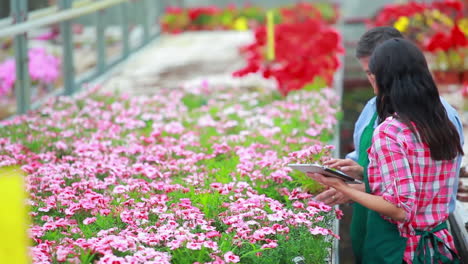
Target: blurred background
x=50 y=48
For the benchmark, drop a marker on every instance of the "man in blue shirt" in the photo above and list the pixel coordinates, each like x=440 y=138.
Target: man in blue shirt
x=366 y=45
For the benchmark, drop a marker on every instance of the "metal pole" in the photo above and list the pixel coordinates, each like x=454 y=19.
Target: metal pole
x=133 y=18
x=5 y=22
x=144 y=20
x=68 y=71
x=19 y=13
x=125 y=28
x=58 y=17
x=100 y=41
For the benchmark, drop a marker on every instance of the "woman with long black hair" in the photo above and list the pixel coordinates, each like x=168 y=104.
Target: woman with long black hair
x=412 y=162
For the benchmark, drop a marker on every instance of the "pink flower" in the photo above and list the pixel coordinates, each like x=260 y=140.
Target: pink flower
x=61 y=145
x=7 y=77
x=194 y=245
x=272 y=244
x=338 y=213
x=312 y=132
x=298 y=205
x=212 y=234
x=89 y=220
x=43 y=67
x=229 y=257
x=319 y=231
x=120 y=189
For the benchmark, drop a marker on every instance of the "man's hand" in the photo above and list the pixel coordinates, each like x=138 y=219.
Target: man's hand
x=347 y=166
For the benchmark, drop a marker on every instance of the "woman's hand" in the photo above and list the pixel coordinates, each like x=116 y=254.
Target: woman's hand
x=347 y=166
x=332 y=197
x=327 y=181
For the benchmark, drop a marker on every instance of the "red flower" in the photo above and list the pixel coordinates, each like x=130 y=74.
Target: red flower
x=304 y=49
x=174 y=10
x=439 y=41
x=448 y=6
x=444 y=42
x=196 y=13
x=457 y=37
x=390 y=13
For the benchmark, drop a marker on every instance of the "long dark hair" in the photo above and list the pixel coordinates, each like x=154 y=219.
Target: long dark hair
x=405 y=87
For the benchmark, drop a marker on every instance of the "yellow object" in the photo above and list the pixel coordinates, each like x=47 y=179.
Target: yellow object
x=463 y=25
x=402 y=24
x=241 y=24
x=418 y=17
x=437 y=15
x=270 y=36
x=14 y=240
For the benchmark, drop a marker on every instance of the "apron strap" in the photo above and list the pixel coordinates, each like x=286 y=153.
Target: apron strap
x=366 y=141
x=423 y=252
x=364 y=144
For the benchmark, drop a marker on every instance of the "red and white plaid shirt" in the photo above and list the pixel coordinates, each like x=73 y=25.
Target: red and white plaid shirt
x=402 y=171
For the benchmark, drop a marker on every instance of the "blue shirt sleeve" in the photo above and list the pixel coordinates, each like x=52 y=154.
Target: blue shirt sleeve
x=455 y=119
x=364 y=118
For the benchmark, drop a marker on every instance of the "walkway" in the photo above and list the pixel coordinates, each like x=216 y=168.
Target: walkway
x=176 y=60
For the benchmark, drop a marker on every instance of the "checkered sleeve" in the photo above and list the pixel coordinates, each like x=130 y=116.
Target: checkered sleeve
x=391 y=172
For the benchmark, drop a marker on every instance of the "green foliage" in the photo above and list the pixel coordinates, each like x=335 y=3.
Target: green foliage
x=87 y=257
x=298 y=243
x=317 y=84
x=306 y=183
x=54 y=235
x=207 y=134
x=193 y=101
x=103 y=222
x=184 y=256
x=210 y=203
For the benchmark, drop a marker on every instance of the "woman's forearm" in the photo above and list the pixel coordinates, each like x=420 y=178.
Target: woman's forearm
x=373 y=202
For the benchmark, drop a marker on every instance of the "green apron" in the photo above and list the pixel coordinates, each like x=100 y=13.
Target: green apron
x=378 y=240
x=382 y=241
x=359 y=219
x=422 y=251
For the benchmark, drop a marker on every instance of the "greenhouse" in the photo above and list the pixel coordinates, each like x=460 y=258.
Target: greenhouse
x=233 y=131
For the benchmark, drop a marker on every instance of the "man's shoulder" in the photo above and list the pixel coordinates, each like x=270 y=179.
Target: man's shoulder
x=370 y=106
x=371 y=102
x=450 y=109
x=366 y=114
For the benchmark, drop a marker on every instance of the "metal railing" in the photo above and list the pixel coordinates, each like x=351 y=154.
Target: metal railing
x=21 y=23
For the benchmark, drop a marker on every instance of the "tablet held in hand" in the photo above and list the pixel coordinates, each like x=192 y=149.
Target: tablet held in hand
x=317 y=168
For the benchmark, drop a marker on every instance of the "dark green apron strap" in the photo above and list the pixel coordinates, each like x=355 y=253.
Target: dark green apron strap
x=366 y=141
x=382 y=241
x=423 y=254
x=364 y=144
x=359 y=219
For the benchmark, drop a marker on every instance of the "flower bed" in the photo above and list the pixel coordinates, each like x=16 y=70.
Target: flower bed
x=187 y=176
x=439 y=28
x=176 y=19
